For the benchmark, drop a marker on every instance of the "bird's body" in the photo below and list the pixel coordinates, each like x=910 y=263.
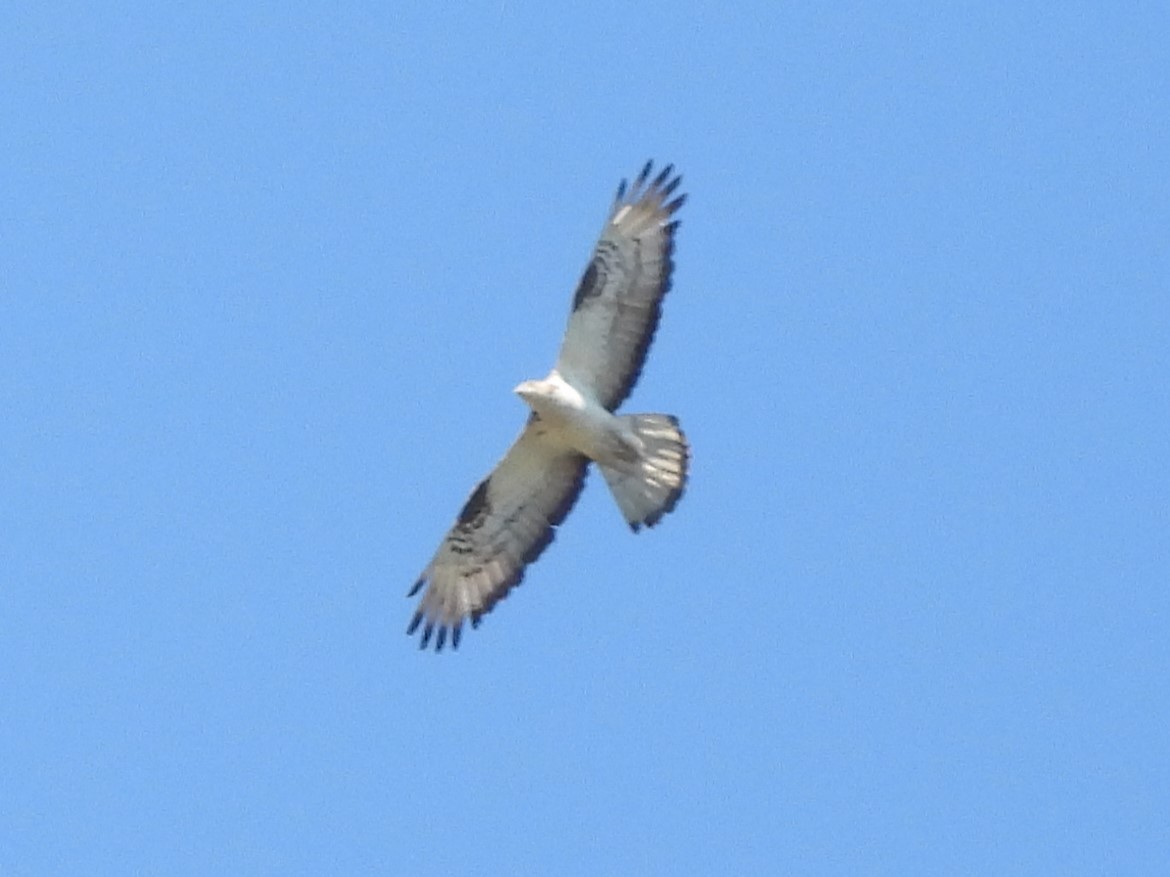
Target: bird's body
x=573 y=419
x=511 y=515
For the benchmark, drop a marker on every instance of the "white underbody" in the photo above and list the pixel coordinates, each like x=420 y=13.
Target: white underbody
x=576 y=420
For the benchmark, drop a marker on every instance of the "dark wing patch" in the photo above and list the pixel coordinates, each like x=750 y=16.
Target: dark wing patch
x=476 y=504
x=589 y=286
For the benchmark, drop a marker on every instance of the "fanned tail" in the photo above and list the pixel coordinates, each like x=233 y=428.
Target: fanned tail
x=651 y=486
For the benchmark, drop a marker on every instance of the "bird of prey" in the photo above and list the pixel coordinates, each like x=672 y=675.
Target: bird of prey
x=510 y=516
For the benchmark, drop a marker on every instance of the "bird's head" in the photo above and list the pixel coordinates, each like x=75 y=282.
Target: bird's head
x=530 y=391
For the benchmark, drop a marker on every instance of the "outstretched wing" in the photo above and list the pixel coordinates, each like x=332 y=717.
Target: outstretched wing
x=505 y=524
x=619 y=298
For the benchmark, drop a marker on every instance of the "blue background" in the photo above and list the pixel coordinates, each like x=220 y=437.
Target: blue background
x=267 y=276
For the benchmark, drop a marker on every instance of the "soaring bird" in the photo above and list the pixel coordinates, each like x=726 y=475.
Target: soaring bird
x=512 y=514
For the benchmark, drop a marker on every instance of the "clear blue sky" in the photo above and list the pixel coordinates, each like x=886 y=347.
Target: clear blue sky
x=267 y=278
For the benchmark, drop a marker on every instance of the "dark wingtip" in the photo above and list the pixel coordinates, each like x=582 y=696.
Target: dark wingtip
x=662 y=184
x=667 y=190
x=644 y=175
x=417 y=585
x=414 y=623
x=438 y=633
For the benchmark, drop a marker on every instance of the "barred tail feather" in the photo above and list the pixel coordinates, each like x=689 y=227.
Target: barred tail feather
x=652 y=485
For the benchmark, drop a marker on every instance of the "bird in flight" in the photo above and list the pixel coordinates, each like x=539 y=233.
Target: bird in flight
x=511 y=516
